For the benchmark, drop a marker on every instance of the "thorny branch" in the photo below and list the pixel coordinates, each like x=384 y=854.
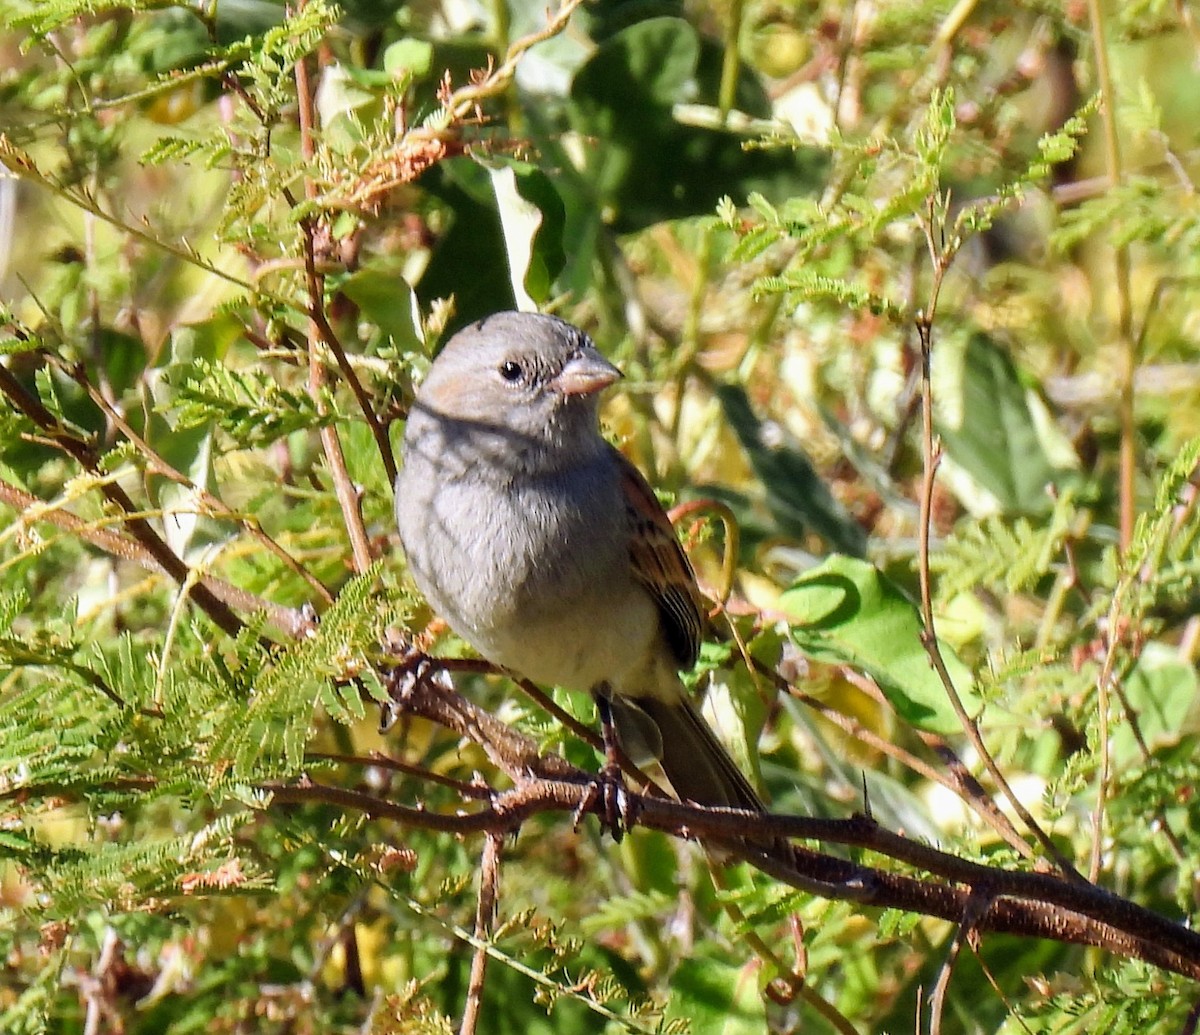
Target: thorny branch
x=941 y=253
x=347 y=495
x=151 y=543
x=485 y=915
x=982 y=898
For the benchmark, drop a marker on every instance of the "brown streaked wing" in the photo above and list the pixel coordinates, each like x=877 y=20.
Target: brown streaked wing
x=661 y=566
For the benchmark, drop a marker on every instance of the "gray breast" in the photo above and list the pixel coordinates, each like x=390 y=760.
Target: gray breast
x=494 y=546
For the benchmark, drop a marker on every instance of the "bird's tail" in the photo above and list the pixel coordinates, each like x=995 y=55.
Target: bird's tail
x=694 y=760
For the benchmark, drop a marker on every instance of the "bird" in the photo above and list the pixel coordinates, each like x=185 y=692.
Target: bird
x=547 y=551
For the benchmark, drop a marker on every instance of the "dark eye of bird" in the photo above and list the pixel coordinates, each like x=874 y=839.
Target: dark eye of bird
x=510 y=371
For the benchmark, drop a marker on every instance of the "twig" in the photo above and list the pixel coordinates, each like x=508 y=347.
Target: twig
x=991 y=980
x=32 y=509
x=729 y=553
x=1112 y=639
x=378 y=760
x=485 y=915
x=1128 y=362
x=346 y=495
x=545 y=702
x=941 y=255
x=463 y=101
x=84 y=455
x=963 y=934
x=330 y=340
x=790 y=984
x=730 y=59
x=953 y=22
x=534 y=975
x=1192 y=1020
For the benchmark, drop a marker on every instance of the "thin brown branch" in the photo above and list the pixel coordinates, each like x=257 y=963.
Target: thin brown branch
x=940 y=255
x=32 y=510
x=547 y=703
x=308 y=791
x=1192 y=1021
x=991 y=980
x=790 y=983
x=1104 y=682
x=379 y=760
x=1127 y=364
x=347 y=496
x=485 y=915
x=963 y=934
x=462 y=102
x=161 y=467
x=154 y=545
x=1126 y=368
x=329 y=338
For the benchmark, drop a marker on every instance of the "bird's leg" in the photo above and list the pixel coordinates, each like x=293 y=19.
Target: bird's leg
x=413 y=669
x=609 y=785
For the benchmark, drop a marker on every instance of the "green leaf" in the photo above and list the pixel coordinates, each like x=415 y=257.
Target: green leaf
x=845 y=611
x=387 y=300
x=997 y=442
x=531 y=220
x=1160 y=690
x=797 y=497
x=474 y=240
x=718 y=998
x=119 y=361
x=408 y=58
x=645 y=165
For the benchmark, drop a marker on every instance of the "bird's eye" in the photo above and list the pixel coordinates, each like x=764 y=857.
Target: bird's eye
x=510 y=371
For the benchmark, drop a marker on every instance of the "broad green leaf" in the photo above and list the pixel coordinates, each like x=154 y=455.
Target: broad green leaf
x=997 y=442
x=207 y=339
x=408 y=57
x=645 y=166
x=796 y=496
x=474 y=241
x=1161 y=689
x=118 y=361
x=339 y=97
x=733 y=706
x=531 y=219
x=386 y=299
x=717 y=998
x=845 y=611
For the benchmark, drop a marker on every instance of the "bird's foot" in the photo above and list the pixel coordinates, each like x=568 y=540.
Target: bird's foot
x=608 y=798
x=413 y=671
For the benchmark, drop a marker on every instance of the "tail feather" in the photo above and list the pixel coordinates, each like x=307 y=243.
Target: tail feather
x=694 y=760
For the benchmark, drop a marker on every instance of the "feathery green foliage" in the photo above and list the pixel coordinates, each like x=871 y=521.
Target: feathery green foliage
x=771 y=225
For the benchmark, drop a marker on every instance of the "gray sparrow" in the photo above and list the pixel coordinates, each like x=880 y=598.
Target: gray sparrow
x=547 y=551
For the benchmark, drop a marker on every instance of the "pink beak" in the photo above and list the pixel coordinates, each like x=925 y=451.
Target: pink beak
x=586 y=372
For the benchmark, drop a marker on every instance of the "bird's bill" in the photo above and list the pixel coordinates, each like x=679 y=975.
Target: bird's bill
x=586 y=372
